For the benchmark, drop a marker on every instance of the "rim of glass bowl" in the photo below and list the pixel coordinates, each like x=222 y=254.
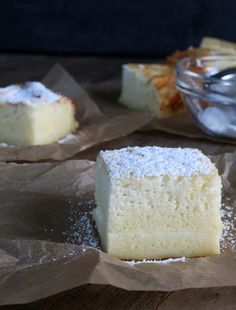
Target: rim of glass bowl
x=205 y=94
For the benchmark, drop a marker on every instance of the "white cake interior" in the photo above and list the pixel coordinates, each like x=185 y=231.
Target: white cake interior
x=52 y=122
x=144 y=212
x=134 y=88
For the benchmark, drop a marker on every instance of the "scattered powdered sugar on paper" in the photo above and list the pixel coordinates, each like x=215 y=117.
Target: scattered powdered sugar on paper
x=164 y=261
x=81 y=227
x=136 y=162
x=68 y=138
x=28 y=93
x=5 y=145
x=228 y=239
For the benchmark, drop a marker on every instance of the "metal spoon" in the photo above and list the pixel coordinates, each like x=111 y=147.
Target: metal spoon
x=221 y=82
x=226 y=74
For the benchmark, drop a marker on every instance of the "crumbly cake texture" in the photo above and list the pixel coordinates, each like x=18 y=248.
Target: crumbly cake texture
x=31 y=114
x=155 y=203
x=151 y=88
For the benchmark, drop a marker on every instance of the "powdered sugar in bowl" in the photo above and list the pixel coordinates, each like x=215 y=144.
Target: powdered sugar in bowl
x=208 y=86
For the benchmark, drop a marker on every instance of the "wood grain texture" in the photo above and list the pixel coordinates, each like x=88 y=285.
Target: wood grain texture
x=107 y=297
x=90 y=70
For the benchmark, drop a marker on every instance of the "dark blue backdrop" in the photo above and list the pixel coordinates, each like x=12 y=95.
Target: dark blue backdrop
x=144 y=27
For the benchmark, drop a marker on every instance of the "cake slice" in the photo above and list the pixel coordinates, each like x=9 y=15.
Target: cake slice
x=155 y=203
x=218 y=45
x=151 y=87
x=31 y=114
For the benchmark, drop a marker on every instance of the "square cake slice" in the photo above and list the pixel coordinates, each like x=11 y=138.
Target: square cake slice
x=151 y=88
x=31 y=114
x=155 y=203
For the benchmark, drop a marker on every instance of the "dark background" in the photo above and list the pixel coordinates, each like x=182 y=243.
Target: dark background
x=113 y=27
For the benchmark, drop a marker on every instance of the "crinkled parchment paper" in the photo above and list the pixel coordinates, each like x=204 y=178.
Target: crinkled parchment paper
x=95 y=126
x=48 y=242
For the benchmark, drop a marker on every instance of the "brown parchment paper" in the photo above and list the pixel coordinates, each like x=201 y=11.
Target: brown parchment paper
x=95 y=125
x=48 y=242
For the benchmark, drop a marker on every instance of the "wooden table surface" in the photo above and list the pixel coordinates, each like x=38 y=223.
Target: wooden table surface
x=87 y=71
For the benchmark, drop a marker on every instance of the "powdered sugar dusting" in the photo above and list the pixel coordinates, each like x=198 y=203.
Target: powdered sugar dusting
x=5 y=145
x=228 y=239
x=155 y=161
x=164 y=261
x=69 y=138
x=82 y=230
x=28 y=93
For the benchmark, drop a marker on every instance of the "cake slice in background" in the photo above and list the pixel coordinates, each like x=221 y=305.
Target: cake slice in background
x=151 y=88
x=208 y=47
x=155 y=203
x=31 y=114
x=218 y=45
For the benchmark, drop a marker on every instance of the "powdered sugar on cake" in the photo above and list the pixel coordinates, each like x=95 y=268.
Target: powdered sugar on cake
x=137 y=162
x=28 y=93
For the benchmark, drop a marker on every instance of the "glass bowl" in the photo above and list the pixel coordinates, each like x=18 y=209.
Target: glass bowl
x=211 y=99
